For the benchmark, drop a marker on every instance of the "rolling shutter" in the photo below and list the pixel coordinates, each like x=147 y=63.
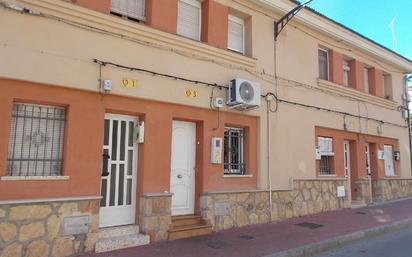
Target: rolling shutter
x=236 y=32
x=129 y=8
x=188 y=20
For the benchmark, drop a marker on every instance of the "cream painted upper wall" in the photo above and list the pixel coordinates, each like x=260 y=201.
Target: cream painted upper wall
x=59 y=54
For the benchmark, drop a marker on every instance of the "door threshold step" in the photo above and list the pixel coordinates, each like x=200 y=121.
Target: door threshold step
x=111 y=232
x=120 y=242
x=185 y=220
x=190 y=231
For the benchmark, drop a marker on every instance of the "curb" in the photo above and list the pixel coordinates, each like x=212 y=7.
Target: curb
x=340 y=241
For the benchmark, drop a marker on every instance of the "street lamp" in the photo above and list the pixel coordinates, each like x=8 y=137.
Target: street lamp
x=281 y=23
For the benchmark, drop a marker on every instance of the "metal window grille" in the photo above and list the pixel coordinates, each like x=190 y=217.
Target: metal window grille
x=233 y=151
x=36 y=140
x=325 y=165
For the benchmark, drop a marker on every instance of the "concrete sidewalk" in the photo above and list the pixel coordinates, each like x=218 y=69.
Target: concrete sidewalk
x=284 y=238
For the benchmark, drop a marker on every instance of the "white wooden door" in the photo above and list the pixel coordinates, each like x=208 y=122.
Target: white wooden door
x=368 y=159
x=346 y=166
x=118 y=181
x=182 y=176
x=388 y=158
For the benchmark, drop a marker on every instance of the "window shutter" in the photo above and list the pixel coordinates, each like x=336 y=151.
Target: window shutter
x=129 y=8
x=366 y=79
x=236 y=32
x=188 y=20
x=388 y=159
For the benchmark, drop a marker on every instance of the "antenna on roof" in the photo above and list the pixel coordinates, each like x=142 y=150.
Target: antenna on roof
x=392 y=28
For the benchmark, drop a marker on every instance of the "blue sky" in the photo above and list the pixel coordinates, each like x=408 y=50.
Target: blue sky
x=371 y=18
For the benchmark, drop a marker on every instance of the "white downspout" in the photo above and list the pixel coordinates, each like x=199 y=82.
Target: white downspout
x=269 y=99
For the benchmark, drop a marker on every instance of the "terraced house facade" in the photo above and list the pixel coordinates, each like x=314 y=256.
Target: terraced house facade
x=126 y=122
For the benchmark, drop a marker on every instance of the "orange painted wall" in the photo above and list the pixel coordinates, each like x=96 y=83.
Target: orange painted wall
x=336 y=67
x=214 y=23
x=376 y=82
x=102 y=6
x=377 y=143
x=357 y=154
x=162 y=14
x=356 y=74
x=84 y=138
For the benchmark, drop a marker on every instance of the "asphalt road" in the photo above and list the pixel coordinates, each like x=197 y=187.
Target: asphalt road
x=396 y=244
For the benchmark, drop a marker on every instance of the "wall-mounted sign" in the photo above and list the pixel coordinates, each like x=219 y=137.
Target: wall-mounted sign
x=340 y=191
x=129 y=83
x=192 y=93
x=381 y=155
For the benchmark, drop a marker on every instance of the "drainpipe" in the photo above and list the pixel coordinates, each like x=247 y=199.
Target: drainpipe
x=407 y=79
x=269 y=100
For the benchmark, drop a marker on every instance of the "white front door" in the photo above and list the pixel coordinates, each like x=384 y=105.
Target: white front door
x=368 y=159
x=346 y=166
x=182 y=176
x=388 y=158
x=118 y=181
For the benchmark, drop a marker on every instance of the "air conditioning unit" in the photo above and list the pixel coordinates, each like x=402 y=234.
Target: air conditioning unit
x=243 y=94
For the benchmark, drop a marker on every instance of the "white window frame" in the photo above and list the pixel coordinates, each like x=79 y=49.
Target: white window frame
x=240 y=21
x=366 y=80
x=346 y=70
x=198 y=5
x=128 y=14
x=327 y=61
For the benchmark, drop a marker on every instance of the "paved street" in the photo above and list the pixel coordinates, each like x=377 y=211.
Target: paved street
x=269 y=239
x=396 y=244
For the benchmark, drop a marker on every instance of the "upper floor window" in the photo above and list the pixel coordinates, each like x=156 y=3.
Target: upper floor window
x=129 y=8
x=188 y=19
x=36 y=140
x=233 y=151
x=236 y=34
x=366 y=79
x=346 y=70
x=387 y=86
x=323 y=64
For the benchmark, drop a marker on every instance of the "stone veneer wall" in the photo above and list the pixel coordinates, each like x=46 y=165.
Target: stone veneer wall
x=36 y=229
x=155 y=215
x=390 y=189
x=363 y=190
x=247 y=208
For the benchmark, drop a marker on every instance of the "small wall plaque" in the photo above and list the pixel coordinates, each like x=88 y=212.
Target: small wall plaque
x=75 y=225
x=221 y=208
x=341 y=191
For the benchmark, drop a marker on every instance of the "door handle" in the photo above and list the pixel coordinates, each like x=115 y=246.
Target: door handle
x=105 y=172
x=179 y=176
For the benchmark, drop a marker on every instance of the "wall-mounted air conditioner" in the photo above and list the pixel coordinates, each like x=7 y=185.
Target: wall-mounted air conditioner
x=243 y=94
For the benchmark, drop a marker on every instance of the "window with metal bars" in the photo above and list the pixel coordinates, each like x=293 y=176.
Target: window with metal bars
x=36 y=140
x=326 y=165
x=234 y=152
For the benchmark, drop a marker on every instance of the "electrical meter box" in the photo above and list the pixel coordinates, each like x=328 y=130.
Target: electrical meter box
x=216 y=150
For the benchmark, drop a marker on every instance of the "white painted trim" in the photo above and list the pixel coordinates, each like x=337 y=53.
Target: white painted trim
x=327 y=61
x=238 y=176
x=134 y=30
x=17 y=178
x=48 y=200
x=356 y=94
